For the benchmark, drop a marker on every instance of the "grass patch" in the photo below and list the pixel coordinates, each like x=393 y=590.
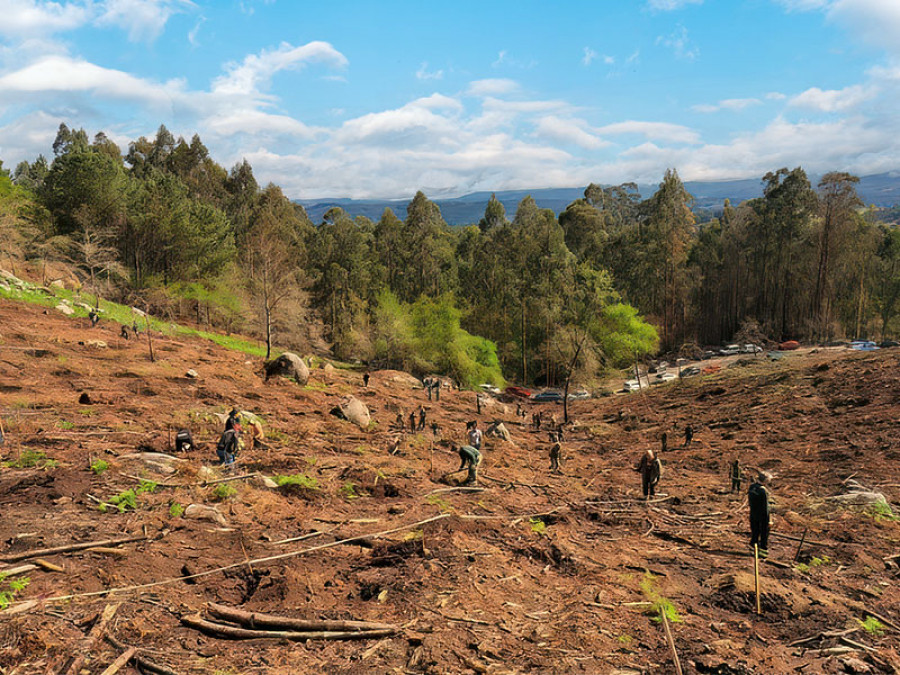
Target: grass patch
x=99 y=466
x=223 y=491
x=31 y=459
x=297 y=481
x=127 y=499
x=348 y=490
x=659 y=605
x=881 y=511
x=63 y=424
x=9 y=589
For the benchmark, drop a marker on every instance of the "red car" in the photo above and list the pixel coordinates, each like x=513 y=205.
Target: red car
x=519 y=392
x=788 y=345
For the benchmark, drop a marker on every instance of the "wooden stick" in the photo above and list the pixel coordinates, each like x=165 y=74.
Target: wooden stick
x=671 y=642
x=301 y=537
x=273 y=621
x=91 y=639
x=121 y=552
x=756 y=576
x=124 y=658
x=50 y=567
x=69 y=548
x=21 y=569
x=802 y=539
x=230 y=632
x=207 y=483
x=140 y=661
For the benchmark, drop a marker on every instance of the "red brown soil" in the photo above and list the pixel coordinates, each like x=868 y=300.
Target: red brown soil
x=509 y=592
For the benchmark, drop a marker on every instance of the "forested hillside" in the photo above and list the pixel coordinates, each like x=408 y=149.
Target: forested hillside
x=529 y=296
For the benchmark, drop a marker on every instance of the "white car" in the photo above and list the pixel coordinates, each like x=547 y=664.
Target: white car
x=489 y=388
x=751 y=349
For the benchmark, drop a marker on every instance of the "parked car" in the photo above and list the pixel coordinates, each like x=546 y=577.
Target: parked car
x=751 y=349
x=885 y=344
x=690 y=371
x=662 y=378
x=489 y=388
x=518 y=392
x=788 y=345
x=579 y=395
x=708 y=354
x=863 y=346
x=631 y=385
x=730 y=350
x=548 y=395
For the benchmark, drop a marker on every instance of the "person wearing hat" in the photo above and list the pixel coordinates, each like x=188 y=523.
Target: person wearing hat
x=758 y=497
x=245 y=422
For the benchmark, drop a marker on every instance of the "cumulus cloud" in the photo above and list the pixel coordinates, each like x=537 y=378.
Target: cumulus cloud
x=674 y=133
x=144 y=20
x=22 y=19
x=255 y=72
x=589 y=56
x=874 y=21
x=833 y=100
x=492 y=87
x=733 y=104
x=424 y=74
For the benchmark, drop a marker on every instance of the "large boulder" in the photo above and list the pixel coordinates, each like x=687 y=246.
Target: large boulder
x=288 y=365
x=860 y=498
x=499 y=430
x=352 y=409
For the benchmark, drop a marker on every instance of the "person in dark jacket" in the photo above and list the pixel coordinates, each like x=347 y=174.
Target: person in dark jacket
x=650 y=469
x=688 y=435
x=366 y=380
x=184 y=442
x=555 y=452
x=471 y=458
x=758 y=497
x=227 y=447
x=736 y=477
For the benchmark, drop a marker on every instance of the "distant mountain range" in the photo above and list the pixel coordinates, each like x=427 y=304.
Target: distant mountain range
x=879 y=189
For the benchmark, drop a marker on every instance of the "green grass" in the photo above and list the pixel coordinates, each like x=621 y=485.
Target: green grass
x=31 y=459
x=9 y=589
x=98 y=466
x=297 y=481
x=223 y=491
x=63 y=424
x=348 y=490
x=122 y=314
x=176 y=510
x=872 y=626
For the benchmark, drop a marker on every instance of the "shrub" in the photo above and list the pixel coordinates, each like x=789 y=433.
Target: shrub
x=29 y=459
x=223 y=491
x=98 y=466
x=176 y=510
x=122 y=501
x=659 y=606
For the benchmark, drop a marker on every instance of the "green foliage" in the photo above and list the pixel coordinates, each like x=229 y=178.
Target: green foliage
x=538 y=526
x=99 y=466
x=63 y=424
x=123 y=501
x=872 y=626
x=29 y=459
x=223 y=491
x=176 y=510
x=297 y=481
x=881 y=511
x=624 y=336
x=659 y=605
x=146 y=486
x=9 y=588
x=348 y=490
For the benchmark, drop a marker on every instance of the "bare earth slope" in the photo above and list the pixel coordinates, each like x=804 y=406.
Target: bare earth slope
x=534 y=574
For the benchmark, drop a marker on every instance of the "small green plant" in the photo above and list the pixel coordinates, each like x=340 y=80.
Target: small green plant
x=122 y=501
x=223 y=491
x=297 y=481
x=872 y=626
x=881 y=511
x=805 y=568
x=87 y=412
x=348 y=489
x=32 y=459
x=625 y=639
x=659 y=605
x=64 y=424
x=99 y=466
x=176 y=510
x=9 y=589
x=146 y=486
x=538 y=526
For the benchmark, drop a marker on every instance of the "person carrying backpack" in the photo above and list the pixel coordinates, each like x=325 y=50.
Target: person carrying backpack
x=227 y=447
x=650 y=469
x=184 y=442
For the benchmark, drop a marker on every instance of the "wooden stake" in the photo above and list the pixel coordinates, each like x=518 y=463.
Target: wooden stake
x=756 y=576
x=14 y=557
x=116 y=665
x=802 y=539
x=671 y=642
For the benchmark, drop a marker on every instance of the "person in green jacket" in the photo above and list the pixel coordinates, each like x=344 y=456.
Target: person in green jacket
x=470 y=458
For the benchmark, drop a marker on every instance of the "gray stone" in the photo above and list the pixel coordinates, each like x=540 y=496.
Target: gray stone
x=202 y=512
x=352 y=409
x=65 y=309
x=192 y=374
x=288 y=365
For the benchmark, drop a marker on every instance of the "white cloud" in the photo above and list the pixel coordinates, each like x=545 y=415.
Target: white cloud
x=568 y=132
x=670 y=5
x=589 y=55
x=255 y=72
x=424 y=74
x=143 y=19
x=25 y=18
x=674 y=133
x=192 y=34
x=418 y=123
x=833 y=100
x=775 y=96
x=733 y=104
x=874 y=21
x=492 y=87
x=680 y=44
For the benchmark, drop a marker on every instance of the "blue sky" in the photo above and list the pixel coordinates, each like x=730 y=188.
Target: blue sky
x=380 y=99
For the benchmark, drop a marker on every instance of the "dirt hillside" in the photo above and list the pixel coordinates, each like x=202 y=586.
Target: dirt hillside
x=536 y=573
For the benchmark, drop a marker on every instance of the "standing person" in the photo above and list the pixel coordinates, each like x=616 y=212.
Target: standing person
x=665 y=441
x=436 y=385
x=471 y=458
x=435 y=429
x=736 y=476
x=366 y=380
x=412 y=422
x=650 y=469
x=519 y=412
x=422 y=415
x=478 y=403
x=758 y=497
x=474 y=435
x=94 y=317
x=555 y=452
x=227 y=447
x=427 y=384
x=688 y=435
x=124 y=332
x=399 y=421
x=245 y=421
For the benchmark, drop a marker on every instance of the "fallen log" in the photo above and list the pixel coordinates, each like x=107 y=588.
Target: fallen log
x=69 y=548
x=123 y=658
x=140 y=661
x=88 y=643
x=14 y=571
x=232 y=633
x=262 y=620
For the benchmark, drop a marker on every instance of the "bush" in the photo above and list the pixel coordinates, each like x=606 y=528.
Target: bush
x=98 y=466
x=29 y=459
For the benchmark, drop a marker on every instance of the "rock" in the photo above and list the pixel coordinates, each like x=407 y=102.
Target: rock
x=138 y=311
x=288 y=365
x=201 y=512
x=265 y=481
x=65 y=309
x=852 y=665
x=492 y=404
x=499 y=430
x=96 y=344
x=793 y=518
x=206 y=473
x=57 y=283
x=84 y=399
x=858 y=497
x=192 y=374
x=327 y=367
x=352 y=409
